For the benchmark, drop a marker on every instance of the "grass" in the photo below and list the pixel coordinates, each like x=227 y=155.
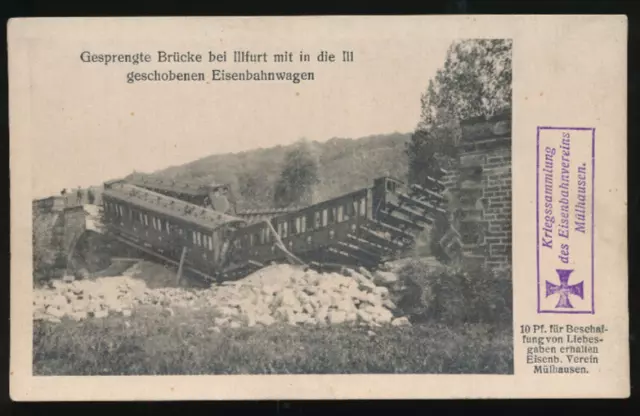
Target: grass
x=148 y=343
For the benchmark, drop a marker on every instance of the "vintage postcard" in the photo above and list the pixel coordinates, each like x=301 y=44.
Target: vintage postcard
x=409 y=207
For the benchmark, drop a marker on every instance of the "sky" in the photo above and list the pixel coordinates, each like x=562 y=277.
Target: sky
x=89 y=125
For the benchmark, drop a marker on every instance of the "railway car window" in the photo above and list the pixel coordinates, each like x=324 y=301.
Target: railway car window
x=309 y=220
x=303 y=224
x=348 y=211
x=130 y=214
x=146 y=219
x=325 y=217
x=121 y=211
x=298 y=223
x=294 y=226
x=340 y=213
x=332 y=215
x=210 y=240
x=284 y=229
x=317 y=220
x=168 y=228
x=355 y=208
x=363 y=207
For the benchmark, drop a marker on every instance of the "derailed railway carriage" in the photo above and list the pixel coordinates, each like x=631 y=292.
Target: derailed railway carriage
x=362 y=228
x=164 y=226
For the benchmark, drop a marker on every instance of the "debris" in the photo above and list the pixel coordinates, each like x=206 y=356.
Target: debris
x=281 y=293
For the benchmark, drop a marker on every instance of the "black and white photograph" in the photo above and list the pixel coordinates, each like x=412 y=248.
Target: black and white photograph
x=316 y=207
x=388 y=253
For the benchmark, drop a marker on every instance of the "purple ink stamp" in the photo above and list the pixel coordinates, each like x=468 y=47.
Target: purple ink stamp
x=565 y=219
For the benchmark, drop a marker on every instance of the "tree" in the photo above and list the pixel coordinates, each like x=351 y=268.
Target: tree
x=298 y=177
x=474 y=81
x=256 y=188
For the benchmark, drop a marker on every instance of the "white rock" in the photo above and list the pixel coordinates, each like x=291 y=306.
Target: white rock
x=381 y=291
x=103 y=313
x=126 y=312
x=366 y=273
x=54 y=311
x=265 y=320
x=403 y=321
x=337 y=317
x=361 y=296
x=227 y=311
x=287 y=298
x=310 y=290
x=321 y=314
x=78 y=316
x=309 y=308
x=383 y=315
x=384 y=278
x=220 y=321
x=364 y=316
x=58 y=300
x=345 y=305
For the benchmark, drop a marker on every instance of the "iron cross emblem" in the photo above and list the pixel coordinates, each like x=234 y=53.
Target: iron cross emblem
x=564 y=289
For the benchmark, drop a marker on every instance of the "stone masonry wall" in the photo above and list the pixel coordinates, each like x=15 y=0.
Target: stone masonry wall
x=481 y=207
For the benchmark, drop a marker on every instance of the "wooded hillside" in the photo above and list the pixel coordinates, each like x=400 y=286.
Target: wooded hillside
x=344 y=165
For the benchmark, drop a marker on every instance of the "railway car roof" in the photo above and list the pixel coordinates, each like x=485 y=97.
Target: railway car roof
x=163 y=204
x=171 y=185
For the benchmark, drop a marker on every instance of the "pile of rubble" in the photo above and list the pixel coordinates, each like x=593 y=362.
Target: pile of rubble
x=275 y=294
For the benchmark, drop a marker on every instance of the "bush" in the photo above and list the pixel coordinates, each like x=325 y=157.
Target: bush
x=451 y=295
